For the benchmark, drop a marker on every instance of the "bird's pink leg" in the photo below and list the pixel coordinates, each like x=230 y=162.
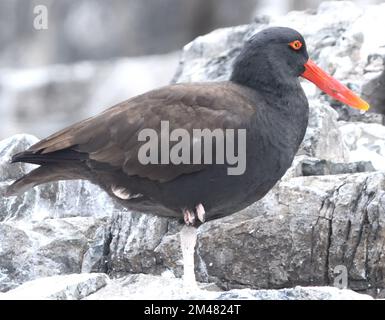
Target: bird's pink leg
x=188 y=238
x=189 y=217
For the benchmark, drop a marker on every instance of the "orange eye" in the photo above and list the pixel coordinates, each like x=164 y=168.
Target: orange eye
x=296 y=44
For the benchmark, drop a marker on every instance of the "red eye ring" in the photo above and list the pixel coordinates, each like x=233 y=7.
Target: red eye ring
x=296 y=44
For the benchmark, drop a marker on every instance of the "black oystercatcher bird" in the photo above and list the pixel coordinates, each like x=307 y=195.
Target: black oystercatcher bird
x=263 y=97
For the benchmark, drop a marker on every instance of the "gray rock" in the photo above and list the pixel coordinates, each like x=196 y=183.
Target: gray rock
x=21 y=206
x=96 y=257
x=308 y=166
x=63 y=287
x=365 y=142
x=134 y=237
x=323 y=138
x=210 y=57
x=97 y=286
x=9 y=147
x=315 y=167
x=296 y=235
x=346 y=113
x=54 y=200
x=373 y=92
x=15 y=246
x=293 y=236
x=30 y=250
x=297 y=293
x=167 y=287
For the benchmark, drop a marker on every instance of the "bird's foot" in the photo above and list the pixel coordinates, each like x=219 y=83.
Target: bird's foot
x=189 y=217
x=192 y=217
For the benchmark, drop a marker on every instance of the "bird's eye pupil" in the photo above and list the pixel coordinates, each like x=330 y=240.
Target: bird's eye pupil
x=296 y=44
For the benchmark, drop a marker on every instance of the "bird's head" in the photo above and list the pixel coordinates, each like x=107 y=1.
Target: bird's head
x=279 y=53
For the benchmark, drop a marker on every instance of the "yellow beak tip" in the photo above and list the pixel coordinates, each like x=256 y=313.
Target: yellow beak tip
x=365 y=106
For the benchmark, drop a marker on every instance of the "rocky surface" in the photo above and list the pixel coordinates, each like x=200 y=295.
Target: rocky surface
x=52 y=229
x=64 y=287
x=297 y=234
x=57 y=200
x=365 y=142
x=140 y=286
x=97 y=286
x=30 y=250
x=326 y=215
x=316 y=167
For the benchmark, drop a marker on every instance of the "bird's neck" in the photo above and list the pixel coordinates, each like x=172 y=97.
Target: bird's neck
x=277 y=95
x=264 y=74
x=272 y=81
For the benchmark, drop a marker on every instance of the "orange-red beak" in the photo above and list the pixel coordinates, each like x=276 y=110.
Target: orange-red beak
x=332 y=87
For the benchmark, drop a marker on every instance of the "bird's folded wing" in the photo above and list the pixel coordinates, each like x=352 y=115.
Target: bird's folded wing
x=112 y=136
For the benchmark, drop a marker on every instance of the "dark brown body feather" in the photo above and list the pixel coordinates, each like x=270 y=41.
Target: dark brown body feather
x=103 y=149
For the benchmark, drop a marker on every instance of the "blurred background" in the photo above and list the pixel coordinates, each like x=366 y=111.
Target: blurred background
x=95 y=53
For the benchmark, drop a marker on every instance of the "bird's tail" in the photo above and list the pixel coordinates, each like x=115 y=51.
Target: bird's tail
x=44 y=174
x=59 y=165
x=60 y=156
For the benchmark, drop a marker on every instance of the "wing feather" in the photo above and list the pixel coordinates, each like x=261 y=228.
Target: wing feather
x=112 y=136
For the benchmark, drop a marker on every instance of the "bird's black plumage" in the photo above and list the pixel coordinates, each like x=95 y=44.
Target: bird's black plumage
x=263 y=96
